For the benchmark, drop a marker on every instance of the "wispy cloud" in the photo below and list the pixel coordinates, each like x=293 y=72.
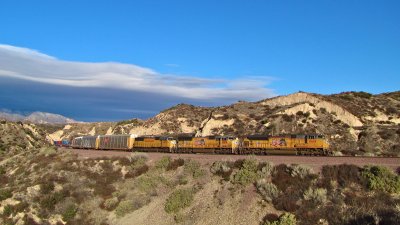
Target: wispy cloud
x=31 y=65
x=172 y=65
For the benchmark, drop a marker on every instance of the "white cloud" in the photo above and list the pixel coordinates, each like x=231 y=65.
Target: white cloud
x=27 y=64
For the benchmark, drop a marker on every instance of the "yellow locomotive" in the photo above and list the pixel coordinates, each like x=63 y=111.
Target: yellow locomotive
x=310 y=144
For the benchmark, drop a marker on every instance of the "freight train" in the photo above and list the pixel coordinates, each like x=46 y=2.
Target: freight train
x=308 y=144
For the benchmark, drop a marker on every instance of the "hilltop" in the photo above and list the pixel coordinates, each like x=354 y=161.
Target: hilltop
x=353 y=122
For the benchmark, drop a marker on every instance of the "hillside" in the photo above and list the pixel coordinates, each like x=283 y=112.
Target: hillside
x=44 y=186
x=20 y=137
x=353 y=122
x=37 y=118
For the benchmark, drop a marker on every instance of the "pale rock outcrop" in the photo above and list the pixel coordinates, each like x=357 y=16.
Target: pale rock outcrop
x=212 y=123
x=342 y=114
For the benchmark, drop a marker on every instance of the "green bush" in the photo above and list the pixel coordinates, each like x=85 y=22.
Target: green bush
x=222 y=169
x=266 y=170
x=2 y=170
x=149 y=182
x=124 y=207
x=193 y=168
x=69 y=212
x=5 y=193
x=178 y=200
x=111 y=203
x=127 y=206
x=362 y=94
x=284 y=219
x=48 y=151
x=7 y=210
x=163 y=162
x=267 y=190
x=300 y=170
x=381 y=178
x=247 y=173
x=317 y=196
x=46 y=188
x=174 y=164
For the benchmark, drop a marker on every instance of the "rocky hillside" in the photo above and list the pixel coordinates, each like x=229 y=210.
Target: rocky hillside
x=37 y=118
x=353 y=122
x=19 y=137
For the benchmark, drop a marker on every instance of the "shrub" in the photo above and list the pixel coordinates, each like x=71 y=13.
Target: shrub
x=381 y=178
x=111 y=203
x=2 y=170
x=163 y=162
x=138 y=156
x=49 y=201
x=7 y=210
x=266 y=169
x=4 y=194
x=247 y=173
x=46 y=188
x=299 y=113
x=48 y=151
x=124 y=207
x=344 y=174
x=69 y=212
x=174 y=164
x=178 y=200
x=137 y=171
x=362 y=94
x=284 y=219
x=287 y=118
x=267 y=190
x=149 y=182
x=222 y=169
x=317 y=196
x=194 y=169
x=127 y=206
x=300 y=170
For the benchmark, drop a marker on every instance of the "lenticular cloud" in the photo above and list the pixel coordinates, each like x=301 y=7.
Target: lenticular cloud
x=31 y=65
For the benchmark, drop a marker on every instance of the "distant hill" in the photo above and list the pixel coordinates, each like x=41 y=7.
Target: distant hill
x=37 y=118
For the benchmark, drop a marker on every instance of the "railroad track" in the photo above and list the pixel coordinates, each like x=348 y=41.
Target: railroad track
x=316 y=162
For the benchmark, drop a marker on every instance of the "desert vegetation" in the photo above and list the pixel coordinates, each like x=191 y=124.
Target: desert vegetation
x=49 y=187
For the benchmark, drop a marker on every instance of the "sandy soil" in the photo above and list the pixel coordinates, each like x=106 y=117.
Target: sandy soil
x=316 y=162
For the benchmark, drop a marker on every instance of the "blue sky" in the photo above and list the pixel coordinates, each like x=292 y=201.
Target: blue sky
x=206 y=50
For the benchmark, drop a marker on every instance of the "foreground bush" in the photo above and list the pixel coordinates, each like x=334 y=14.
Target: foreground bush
x=267 y=190
x=178 y=200
x=317 y=196
x=194 y=169
x=124 y=207
x=111 y=203
x=300 y=170
x=221 y=168
x=4 y=194
x=381 y=178
x=284 y=219
x=69 y=213
x=247 y=173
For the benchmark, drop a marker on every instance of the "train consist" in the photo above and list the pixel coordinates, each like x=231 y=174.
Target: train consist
x=310 y=144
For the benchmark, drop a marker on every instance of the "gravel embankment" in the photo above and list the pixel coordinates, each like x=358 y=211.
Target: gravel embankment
x=315 y=162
